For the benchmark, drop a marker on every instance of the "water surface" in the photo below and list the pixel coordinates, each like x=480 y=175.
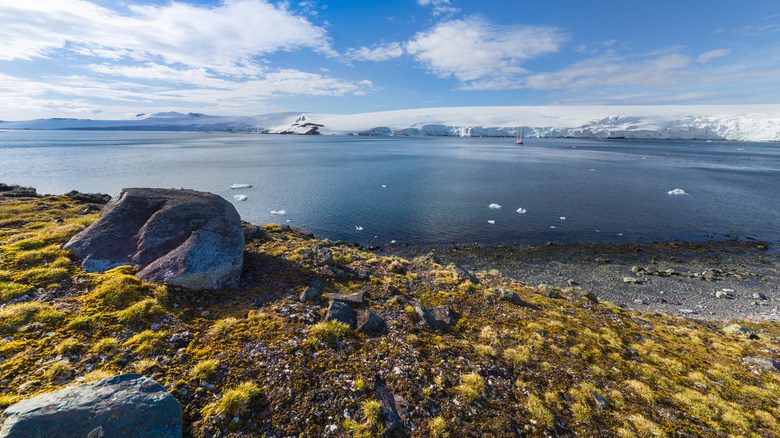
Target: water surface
x=430 y=190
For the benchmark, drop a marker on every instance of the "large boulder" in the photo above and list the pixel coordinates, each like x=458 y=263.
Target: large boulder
x=129 y=405
x=181 y=237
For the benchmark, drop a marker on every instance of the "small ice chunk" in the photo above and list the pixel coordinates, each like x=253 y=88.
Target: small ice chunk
x=553 y=226
x=620 y=234
x=240 y=186
x=393 y=241
x=563 y=218
x=240 y=197
x=491 y=221
x=384 y=186
x=278 y=211
x=521 y=210
x=358 y=227
x=494 y=206
x=676 y=192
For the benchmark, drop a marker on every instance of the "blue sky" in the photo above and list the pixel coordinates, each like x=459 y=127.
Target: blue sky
x=106 y=59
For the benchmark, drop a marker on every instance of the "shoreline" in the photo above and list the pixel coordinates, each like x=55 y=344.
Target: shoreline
x=677 y=278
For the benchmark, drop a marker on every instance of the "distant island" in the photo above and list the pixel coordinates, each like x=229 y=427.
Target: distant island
x=682 y=122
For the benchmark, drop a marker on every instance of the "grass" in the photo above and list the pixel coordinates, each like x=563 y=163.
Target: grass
x=69 y=346
x=472 y=387
x=233 y=401
x=14 y=316
x=204 y=369
x=58 y=370
x=97 y=375
x=223 y=327
x=10 y=290
x=437 y=427
x=329 y=332
x=146 y=342
x=140 y=312
x=144 y=366
x=106 y=346
x=539 y=412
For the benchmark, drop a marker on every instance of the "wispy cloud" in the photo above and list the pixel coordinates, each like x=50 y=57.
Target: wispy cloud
x=712 y=54
x=382 y=52
x=479 y=53
x=439 y=7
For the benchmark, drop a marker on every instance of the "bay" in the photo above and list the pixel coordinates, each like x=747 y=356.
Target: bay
x=430 y=190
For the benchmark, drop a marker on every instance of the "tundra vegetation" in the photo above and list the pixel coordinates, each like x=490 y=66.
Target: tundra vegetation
x=254 y=361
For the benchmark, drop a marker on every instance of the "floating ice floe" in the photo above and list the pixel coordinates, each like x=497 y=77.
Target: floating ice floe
x=358 y=227
x=240 y=186
x=393 y=241
x=491 y=221
x=384 y=186
x=240 y=197
x=521 y=210
x=553 y=226
x=494 y=206
x=278 y=211
x=563 y=218
x=676 y=192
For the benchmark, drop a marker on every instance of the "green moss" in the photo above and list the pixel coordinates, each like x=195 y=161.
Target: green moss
x=13 y=316
x=146 y=342
x=106 y=346
x=119 y=290
x=233 y=401
x=329 y=331
x=204 y=369
x=10 y=290
x=140 y=311
x=472 y=387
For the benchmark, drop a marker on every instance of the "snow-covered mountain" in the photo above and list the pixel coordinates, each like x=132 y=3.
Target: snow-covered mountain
x=719 y=122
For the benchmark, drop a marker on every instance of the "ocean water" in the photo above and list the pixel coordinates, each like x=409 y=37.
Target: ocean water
x=430 y=190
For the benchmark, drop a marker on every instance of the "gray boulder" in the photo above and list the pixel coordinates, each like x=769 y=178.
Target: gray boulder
x=444 y=315
x=341 y=312
x=181 y=237
x=370 y=322
x=129 y=405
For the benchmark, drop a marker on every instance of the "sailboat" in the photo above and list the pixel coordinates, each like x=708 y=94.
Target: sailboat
x=519 y=139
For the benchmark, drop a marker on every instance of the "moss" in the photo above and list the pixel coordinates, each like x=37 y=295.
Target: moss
x=107 y=346
x=13 y=316
x=329 y=332
x=118 y=290
x=223 y=327
x=140 y=311
x=10 y=290
x=472 y=387
x=97 y=375
x=146 y=342
x=204 y=369
x=69 y=346
x=6 y=400
x=58 y=370
x=539 y=412
x=233 y=401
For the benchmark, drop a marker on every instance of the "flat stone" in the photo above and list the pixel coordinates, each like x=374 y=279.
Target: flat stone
x=764 y=362
x=126 y=406
x=444 y=315
x=309 y=294
x=341 y=312
x=510 y=296
x=181 y=237
x=358 y=298
x=369 y=322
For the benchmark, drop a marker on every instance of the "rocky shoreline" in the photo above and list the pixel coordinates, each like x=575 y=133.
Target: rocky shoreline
x=716 y=280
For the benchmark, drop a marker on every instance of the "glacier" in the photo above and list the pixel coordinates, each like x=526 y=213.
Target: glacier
x=660 y=122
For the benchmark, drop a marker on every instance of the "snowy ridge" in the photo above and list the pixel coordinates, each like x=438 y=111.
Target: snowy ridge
x=718 y=122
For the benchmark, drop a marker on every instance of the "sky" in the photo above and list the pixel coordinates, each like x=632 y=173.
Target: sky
x=111 y=59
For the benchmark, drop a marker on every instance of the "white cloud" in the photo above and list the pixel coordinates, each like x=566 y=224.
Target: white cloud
x=712 y=54
x=613 y=71
x=219 y=38
x=439 y=6
x=479 y=53
x=377 y=53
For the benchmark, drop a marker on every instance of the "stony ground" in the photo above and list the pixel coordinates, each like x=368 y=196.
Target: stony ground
x=516 y=360
x=719 y=280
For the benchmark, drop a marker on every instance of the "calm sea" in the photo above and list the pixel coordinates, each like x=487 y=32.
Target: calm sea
x=430 y=190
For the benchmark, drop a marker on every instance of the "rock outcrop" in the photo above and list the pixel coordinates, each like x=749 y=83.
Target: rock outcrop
x=129 y=405
x=181 y=237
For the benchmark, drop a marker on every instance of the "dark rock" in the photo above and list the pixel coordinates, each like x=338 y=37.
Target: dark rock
x=764 y=362
x=590 y=296
x=602 y=261
x=358 y=298
x=181 y=237
x=129 y=405
x=392 y=420
x=303 y=234
x=549 y=292
x=370 y=322
x=641 y=322
x=308 y=294
x=759 y=296
x=510 y=296
x=340 y=311
x=463 y=274
x=444 y=315
x=318 y=284
x=17 y=191
x=252 y=232
x=424 y=314
x=324 y=257
x=89 y=198
x=601 y=403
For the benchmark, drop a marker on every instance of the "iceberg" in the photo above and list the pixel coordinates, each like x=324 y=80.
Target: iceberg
x=521 y=210
x=278 y=211
x=240 y=197
x=240 y=186
x=494 y=206
x=676 y=192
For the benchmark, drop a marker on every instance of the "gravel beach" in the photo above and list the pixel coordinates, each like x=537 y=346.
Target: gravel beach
x=715 y=280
